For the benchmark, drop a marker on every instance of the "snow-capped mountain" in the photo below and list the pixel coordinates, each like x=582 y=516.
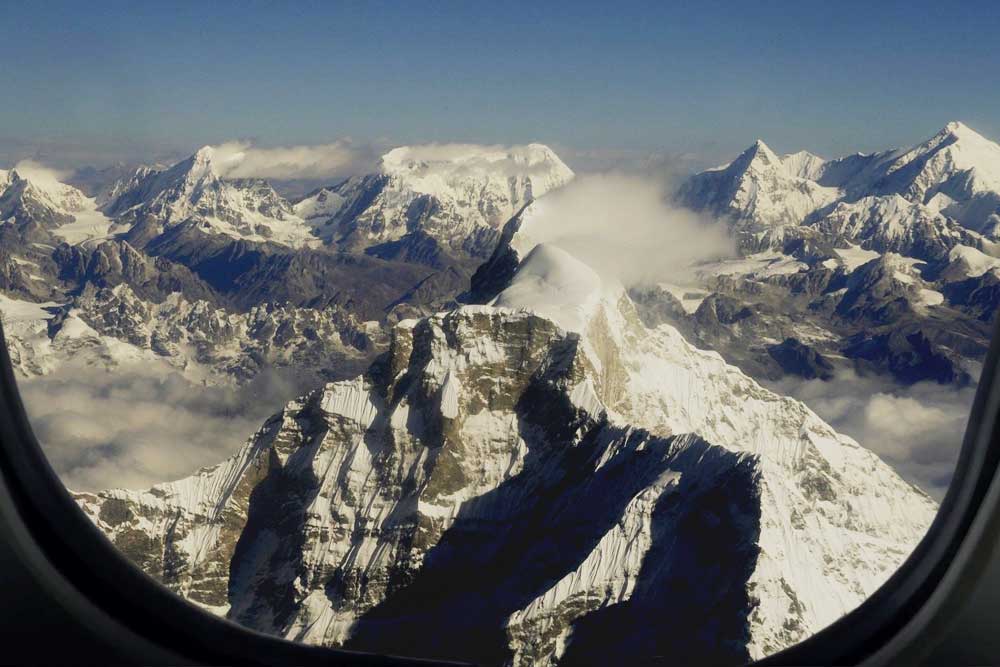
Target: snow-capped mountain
x=492 y=475
x=32 y=199
x=956 y=174
x=196 y=192
x=458 y=195
x=42 y=200
x=825 y=277
x=759 y=190
x=543 y=472
x=450 y=197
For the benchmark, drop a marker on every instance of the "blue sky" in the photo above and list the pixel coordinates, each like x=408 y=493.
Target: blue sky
x=102 y=80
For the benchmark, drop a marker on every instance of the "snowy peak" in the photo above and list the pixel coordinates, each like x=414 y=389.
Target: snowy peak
x=803 y=165
x=955 y=173
x=44 y=189
x=449 y=171
x=959 y=131
x=956 y=148
x=760 y=191
x=758 y=155
x=196 y=190
x=33 y=195
x=199 y=166
x=456 y=195
x=556 y=285
x=427 y=167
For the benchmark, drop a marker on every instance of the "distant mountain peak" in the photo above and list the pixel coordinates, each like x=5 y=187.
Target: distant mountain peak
x=459 y=195
x=201 y=164
x=474 y=160
x=960 y=130
x=759 y=153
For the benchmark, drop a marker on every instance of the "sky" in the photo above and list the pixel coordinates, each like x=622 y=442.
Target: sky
x=98 y=82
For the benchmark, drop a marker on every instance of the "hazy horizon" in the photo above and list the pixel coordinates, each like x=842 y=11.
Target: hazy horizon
x=119 y=83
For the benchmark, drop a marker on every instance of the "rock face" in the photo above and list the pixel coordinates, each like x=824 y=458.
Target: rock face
x=799 y=359
x=546 y=482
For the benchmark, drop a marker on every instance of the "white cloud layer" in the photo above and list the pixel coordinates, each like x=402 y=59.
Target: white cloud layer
x=238 y=159
x=134 y=427
x=44 y=177
x=623 y=227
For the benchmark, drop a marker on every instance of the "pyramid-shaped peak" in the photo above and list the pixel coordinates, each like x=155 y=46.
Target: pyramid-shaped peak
x=960 y=131
x=204 y=162
x=204 y=154
x=758 y=153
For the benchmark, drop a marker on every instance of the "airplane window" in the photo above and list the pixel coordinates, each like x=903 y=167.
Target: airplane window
x=524 y=378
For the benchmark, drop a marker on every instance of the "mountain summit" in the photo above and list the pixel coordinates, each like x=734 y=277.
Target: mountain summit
x=452 y=197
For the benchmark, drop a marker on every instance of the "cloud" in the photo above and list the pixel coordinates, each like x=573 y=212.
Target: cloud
x=40 y=175
x=672 y=165
x=342 y=158
x=917 y=429
x=133 y=427
x=623 y=227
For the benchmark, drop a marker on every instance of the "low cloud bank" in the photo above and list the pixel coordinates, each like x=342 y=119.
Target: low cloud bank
x=39 y=174
x=134 y=426
x=917 y=429
x=623 y=227
x=335 y=160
